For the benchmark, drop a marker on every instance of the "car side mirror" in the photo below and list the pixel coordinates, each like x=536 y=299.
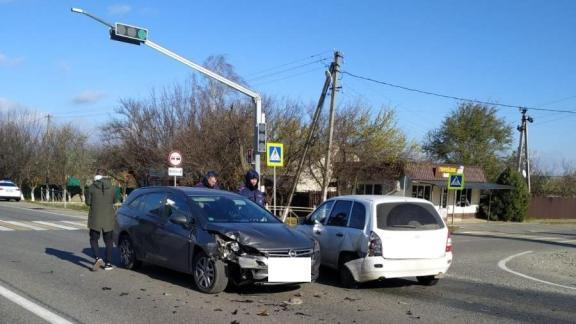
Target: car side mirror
x=180 y=219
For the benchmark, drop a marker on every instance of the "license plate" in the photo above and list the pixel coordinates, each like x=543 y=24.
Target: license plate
x=289 y=269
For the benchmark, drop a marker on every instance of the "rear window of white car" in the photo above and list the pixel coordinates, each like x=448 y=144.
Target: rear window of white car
x=7 y=184
x=407 y=216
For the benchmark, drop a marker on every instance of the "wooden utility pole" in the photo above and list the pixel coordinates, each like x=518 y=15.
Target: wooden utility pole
x=328 y=159
x=308 y=142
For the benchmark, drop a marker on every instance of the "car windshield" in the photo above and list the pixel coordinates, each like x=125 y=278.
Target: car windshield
x=219 y=209
x=407 y=216
x=7 y=184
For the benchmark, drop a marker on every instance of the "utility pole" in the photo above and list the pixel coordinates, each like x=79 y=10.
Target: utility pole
x=524 y=165
x=328 y=164
x=309 y=137
x=47 y=137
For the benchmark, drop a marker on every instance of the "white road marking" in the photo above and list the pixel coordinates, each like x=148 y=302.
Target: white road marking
x=6 y=229
x=567 y=241
x=46 y=212
x=20 y=224
x=32 y=307
x=502 y=265
x=81 y=224
x=70 y=228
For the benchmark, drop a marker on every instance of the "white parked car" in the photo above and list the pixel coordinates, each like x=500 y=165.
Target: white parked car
x=379 y=237
x=9 y=190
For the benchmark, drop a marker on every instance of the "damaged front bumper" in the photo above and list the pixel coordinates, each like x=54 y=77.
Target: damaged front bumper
x=275 y=266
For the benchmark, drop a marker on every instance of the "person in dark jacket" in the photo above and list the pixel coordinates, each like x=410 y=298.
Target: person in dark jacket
x=209 y=181
x=250 y=189
x=100 y=197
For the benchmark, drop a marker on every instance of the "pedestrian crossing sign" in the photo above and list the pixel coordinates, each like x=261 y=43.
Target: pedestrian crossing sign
x=275 y=154
x=456 y=181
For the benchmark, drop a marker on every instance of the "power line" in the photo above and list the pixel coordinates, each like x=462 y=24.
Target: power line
x=288 y=77
x=454 y=97
x=287 y=70
x=289 y=63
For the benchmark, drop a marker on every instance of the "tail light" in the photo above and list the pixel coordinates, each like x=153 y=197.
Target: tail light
x=449 y=242
x=375 y=245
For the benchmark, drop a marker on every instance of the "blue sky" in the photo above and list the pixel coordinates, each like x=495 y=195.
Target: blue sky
x=517 y=52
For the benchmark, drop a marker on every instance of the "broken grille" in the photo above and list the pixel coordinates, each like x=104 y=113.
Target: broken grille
x=297 y=253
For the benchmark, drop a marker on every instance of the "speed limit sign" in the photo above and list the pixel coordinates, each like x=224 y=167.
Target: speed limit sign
x=175 y=158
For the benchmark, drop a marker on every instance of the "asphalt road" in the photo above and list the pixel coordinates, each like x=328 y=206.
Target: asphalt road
x=506 y=273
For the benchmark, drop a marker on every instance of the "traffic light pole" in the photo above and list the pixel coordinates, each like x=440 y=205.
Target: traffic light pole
x=255 y=96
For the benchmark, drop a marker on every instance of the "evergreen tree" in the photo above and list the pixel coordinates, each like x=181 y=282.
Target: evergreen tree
x=511 y=205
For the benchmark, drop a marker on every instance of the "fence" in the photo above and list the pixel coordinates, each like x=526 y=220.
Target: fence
x=294 y=213
x=552 y=208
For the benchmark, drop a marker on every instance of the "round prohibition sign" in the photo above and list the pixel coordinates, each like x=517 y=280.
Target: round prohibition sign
x=175 y=158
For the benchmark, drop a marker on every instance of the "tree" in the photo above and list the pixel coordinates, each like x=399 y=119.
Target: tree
x=473 y=135
x=511 y=205
x=360 y=135
x=67 y=155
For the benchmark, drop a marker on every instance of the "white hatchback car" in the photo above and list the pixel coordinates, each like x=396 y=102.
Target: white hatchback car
x=379 y=237
x=9 y=190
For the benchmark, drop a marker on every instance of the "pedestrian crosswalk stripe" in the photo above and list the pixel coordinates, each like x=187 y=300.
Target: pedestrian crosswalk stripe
x=70 y=228
x=5 y=229
x=9 y=225
x=25 y=225
x=81 y=224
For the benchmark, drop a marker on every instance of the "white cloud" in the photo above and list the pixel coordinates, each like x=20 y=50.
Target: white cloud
x=119 y=9
x=88 y=97
x=8 y=61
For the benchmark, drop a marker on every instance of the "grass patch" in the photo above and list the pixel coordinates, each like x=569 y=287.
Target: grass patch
x=71 y=206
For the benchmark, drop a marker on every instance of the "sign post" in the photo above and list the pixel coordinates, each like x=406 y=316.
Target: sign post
x=175 y=159
x=274 y=158
x=455 y=182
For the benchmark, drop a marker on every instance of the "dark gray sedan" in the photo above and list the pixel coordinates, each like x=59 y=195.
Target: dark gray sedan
x=216 y=236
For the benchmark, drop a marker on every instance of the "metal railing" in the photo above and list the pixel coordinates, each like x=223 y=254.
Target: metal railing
x=293 y=215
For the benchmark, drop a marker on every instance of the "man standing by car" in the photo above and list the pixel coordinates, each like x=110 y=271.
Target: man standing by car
x=250 y=189
x=209 y=181
x=100 y=198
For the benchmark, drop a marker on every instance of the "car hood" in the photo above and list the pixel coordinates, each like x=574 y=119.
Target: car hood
x=263 y=236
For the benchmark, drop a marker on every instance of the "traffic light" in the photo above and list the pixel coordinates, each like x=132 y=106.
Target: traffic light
x=129 y=34
x=261 y=141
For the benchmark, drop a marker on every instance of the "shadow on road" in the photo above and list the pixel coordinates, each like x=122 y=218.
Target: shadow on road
x=331 y=277
x=506 y=303
x=187 y=281
x=70 y=257
x=525 y=239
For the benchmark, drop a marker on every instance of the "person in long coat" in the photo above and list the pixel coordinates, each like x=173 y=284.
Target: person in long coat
x=101 y=197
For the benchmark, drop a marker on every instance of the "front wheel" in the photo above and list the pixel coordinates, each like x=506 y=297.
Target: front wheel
x=128 y=258
x=427 y=280
x=209 y=274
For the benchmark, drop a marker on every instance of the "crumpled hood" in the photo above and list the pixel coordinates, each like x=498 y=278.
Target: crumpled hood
x=263 y=236
x=103 y=184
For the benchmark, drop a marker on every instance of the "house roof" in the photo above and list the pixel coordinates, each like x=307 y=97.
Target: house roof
x=433 y=172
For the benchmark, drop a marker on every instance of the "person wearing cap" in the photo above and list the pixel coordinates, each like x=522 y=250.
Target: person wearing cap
x=250 y=188
x=101 y=197
x=209 y=181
